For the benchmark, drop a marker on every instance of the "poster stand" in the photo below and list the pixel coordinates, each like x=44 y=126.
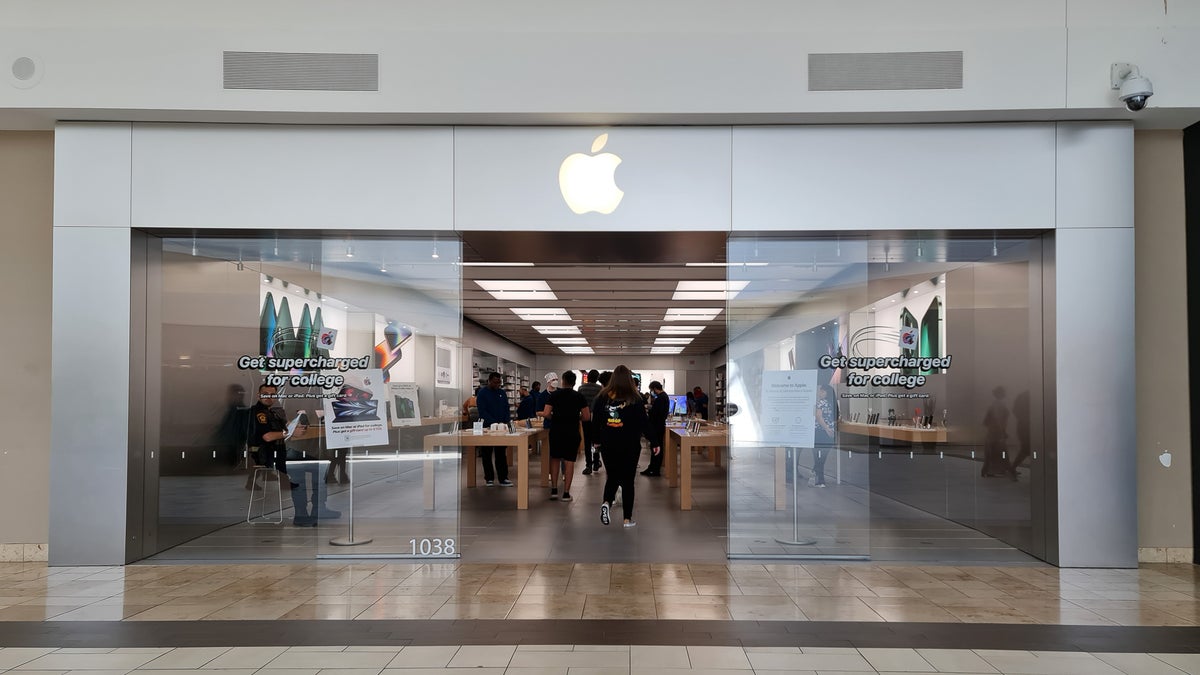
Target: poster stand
x=796 y=540
x=349 y=540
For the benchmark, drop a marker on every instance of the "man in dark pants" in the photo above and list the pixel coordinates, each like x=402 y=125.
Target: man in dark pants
x=492 y=404
x=660 y=405
x=589 y=389
x=268 y=431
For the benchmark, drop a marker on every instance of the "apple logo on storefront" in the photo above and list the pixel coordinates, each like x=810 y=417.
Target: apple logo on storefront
x=1165 y=458
x=588 y=182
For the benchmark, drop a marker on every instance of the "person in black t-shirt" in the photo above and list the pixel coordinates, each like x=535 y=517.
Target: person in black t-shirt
x=267 y=434
x=568 y=410
x=620 y=423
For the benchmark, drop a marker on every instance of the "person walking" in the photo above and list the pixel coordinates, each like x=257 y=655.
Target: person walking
x=620 y=423
x=589 y=390
x=569 y=411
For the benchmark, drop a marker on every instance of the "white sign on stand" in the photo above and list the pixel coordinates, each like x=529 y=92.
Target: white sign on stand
x=357 y=415
x=789 y=400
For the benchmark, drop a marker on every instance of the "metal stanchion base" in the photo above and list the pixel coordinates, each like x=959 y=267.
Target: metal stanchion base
x=347 y=541
x=798 y=542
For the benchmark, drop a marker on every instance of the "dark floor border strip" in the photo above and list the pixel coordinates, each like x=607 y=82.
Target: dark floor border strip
x=1169 y=639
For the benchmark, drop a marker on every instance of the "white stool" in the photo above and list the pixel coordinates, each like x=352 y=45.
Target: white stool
x=262 y=517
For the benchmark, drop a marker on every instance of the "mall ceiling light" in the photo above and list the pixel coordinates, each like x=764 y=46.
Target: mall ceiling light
x=541 y=313
x=708 y=290
x=568 y=340
x=568 y=329
x=517 y=289
x=497 y=264
x=692 y=313
x=666 y=350
x=680 y=330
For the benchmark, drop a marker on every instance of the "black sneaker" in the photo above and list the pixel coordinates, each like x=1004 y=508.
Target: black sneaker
x=604 y=513
x=587 y=472
x=566 y=496
x=554 y=494
x=490 y=483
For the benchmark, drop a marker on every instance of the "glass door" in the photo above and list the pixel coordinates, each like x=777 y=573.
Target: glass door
x=795 y=491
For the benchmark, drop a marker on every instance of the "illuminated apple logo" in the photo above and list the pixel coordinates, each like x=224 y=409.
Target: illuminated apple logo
x=587 y=181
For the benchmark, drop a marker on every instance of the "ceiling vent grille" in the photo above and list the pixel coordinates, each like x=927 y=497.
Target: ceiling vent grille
x=299 y=71
x=885 y=71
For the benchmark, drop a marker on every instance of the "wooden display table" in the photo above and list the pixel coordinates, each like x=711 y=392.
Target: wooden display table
x=895 y=433
x=519 y=441
x=679 y=441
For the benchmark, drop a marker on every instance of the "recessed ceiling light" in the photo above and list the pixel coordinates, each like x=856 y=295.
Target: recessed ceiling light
x=568 y=340
x=666 y=350
x=558 y=330
x=692 y=314
x=725 y=264
x=681 y=330
x=541 y=313
x=673 y=341
x=708 y=290
x=577 y=350
x=517 y=289
x=496 y=264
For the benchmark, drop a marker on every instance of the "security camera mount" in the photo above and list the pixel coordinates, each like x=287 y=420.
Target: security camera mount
x=1121 y=71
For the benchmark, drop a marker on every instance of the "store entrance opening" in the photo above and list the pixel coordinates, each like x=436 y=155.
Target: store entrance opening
x=670 y=307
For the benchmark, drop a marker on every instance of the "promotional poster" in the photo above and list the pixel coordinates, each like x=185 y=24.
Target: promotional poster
x=357 y=415
x=406 y=408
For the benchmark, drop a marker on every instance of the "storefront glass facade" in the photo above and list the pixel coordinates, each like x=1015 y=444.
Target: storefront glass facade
x=890 y=394
x=340 y=326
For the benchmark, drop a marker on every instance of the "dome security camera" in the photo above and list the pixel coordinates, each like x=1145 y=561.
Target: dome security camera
x=1133 y=89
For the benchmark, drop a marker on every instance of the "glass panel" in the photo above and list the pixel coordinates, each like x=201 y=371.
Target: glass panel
x=937 y=455
x=793 y=492
x=364 y=337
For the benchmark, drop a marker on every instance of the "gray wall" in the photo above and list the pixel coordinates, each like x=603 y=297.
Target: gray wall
x=26 y=181
x=1164 y=493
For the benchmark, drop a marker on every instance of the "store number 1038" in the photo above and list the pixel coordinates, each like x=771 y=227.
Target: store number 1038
x=430 y=547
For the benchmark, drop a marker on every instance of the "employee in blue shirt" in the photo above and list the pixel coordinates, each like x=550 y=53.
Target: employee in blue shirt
x=492 y=403
x=525 y=409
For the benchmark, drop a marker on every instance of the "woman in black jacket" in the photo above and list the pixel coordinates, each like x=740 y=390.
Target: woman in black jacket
x=619 y=423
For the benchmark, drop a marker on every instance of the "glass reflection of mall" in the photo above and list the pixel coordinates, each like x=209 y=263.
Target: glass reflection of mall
x=920 y=472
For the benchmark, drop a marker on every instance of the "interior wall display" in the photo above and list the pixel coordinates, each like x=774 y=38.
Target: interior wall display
x=444 y=366
x=326 y=337
x=353 y=417
x=406 y=409
x=789 y=400
x=390 y=349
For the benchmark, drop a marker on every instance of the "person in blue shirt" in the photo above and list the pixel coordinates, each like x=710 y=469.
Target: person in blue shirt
x=543 y=398
x=492 y=404
x=526 y=409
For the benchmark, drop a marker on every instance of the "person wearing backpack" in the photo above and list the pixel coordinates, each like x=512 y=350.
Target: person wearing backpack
x=619 y=424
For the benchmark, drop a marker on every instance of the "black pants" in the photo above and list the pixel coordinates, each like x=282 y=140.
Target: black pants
x=620 y=470
x=656 y=460
x=591 y=456
x=501 y=470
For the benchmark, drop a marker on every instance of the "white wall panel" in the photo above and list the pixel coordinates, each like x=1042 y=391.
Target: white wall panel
x=372 y=178
x=1095 y=174
x=91 y=175
x=960 y=177
x=508 y=178
x=1097 y=425
x=89 y=437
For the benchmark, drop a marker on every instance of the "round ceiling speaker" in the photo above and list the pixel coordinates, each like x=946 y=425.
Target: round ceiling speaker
x=24 y=71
